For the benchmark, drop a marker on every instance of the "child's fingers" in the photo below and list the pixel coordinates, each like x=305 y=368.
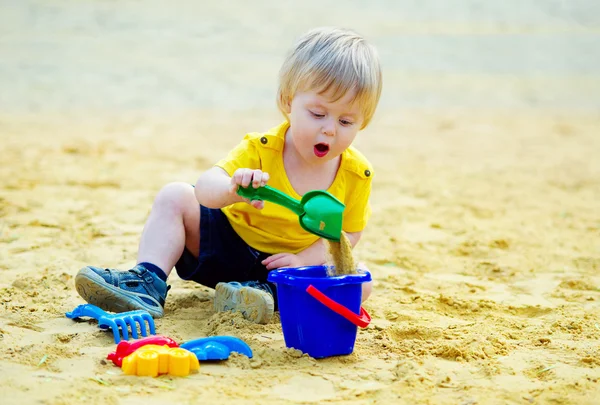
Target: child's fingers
x=242 y=177
x=267 y=260
x=273 y=258
x=246 y=178
x=258 y=204
x=237 y=177
x=257 y=176
x=265 y=178
x=278 y=263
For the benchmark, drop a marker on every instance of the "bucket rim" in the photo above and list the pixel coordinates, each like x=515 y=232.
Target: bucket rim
x=289 y=275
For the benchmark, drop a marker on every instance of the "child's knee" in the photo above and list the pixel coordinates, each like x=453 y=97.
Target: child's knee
x=175 y=193
x=177 y=196
x=367 y=288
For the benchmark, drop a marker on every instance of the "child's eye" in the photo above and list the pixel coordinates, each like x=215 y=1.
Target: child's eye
x=345 y=123
x=316 y=115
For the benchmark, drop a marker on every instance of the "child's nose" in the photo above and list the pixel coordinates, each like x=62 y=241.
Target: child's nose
x=329 y=127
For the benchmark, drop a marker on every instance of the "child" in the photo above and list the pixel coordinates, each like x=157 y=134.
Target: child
x=329 y=88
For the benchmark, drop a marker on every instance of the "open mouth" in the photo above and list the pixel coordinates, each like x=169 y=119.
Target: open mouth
x=321 y=149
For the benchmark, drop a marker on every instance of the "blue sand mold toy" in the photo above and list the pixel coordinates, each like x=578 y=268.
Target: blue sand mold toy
x=216 y=347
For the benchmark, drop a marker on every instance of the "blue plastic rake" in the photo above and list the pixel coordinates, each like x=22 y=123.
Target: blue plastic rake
x=119 y=323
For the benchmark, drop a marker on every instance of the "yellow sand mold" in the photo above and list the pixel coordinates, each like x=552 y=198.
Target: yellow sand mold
x=153 y=360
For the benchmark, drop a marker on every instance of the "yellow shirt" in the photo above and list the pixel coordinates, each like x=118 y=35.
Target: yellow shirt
x=276 y=229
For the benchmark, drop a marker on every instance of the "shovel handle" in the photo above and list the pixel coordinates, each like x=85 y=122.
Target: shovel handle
x=273 y=195
x=361 y=320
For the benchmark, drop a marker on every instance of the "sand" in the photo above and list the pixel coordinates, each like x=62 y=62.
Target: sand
x=340 y=256
x=484 y=238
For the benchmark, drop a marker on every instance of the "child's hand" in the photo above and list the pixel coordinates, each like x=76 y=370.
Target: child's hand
x=245 y=177
x=280 y=260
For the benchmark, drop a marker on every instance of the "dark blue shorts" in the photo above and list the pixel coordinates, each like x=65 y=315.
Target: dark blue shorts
x=224 y=256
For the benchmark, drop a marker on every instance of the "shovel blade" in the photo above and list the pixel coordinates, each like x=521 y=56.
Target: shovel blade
x=323 y=214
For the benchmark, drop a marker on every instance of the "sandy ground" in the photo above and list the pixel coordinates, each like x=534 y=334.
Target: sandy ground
x=484 y=240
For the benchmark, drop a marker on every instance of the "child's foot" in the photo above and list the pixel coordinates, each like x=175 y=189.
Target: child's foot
x=255 y=303
x=120 y=291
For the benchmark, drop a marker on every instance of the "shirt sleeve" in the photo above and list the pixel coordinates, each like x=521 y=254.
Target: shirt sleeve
x=358 y=207
x=244 y=155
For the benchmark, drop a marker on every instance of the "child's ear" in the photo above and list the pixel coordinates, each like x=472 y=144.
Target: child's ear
x=287 y=105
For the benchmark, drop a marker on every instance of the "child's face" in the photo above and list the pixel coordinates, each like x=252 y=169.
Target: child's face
x=321 y=129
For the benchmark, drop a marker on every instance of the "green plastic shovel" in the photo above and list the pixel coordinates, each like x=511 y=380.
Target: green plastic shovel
x=319 y=212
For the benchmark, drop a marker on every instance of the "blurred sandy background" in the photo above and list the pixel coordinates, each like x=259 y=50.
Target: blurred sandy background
x=485 y=238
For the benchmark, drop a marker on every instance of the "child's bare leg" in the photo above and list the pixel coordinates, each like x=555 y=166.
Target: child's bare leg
x=173 y=224
x=366 y=287
x=366 y=290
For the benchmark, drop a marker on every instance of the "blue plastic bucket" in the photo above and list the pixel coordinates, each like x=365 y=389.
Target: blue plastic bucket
x=320 y=314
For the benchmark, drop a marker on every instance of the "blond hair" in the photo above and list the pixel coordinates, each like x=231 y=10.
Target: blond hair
x=332 y=61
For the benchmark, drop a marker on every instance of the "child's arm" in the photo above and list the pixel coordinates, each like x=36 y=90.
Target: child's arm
x=215 y=189
x=314 y=255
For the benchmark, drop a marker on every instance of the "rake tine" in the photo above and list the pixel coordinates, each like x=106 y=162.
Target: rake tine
x=140 y=322
x=123 y=326
x=124 y=321
x=131 y=323
x=150 y=321
x=115 y=329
